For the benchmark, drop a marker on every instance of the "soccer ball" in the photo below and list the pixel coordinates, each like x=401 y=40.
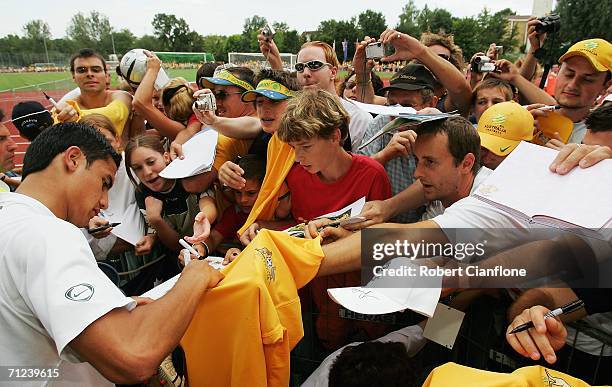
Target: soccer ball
x=133 y=66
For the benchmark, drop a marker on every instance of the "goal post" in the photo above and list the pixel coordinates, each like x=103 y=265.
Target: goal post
x=185 y=57
x=256 y=60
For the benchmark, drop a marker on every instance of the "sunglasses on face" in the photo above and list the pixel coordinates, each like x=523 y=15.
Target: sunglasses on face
x=222 y=94
x=444 y=56
x=313 y=65
x=350 y=84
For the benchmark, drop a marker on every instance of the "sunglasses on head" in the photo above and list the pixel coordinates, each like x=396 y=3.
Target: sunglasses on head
x=170 y=92
x=313 y=65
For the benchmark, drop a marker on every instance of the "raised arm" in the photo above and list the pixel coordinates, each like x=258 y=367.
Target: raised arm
x=407 y=48
x=143 y=101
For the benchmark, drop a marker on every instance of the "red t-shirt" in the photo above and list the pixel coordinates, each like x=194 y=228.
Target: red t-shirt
x=230 y=222
x=310 y=197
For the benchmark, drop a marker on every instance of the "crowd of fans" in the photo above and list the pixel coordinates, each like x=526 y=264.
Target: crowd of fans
x=289 y=149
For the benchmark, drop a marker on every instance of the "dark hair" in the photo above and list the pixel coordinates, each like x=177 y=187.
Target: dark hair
x=86 y=53
x=253 y=166
x=373 y=363
x=377 y=83
x=1 y=114
x=151 y=141
x=204 y=71
x=281 y=76
x=244 y=74
x=58 y=138
x=600 y=119
x=463 y=138
x=493 y=83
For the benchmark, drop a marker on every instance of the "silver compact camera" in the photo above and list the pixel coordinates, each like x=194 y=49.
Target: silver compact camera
x=482 y=64
x=267 y=32
x=206 y=102
x=375 y=50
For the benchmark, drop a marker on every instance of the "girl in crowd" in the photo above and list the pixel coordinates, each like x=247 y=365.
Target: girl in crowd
x=170 y=209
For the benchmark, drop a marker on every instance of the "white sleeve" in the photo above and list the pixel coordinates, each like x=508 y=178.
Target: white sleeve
x=65 y=288
x=469 y=219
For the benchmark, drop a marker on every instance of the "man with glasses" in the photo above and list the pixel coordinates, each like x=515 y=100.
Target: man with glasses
x=89 y=72
x=317 y=68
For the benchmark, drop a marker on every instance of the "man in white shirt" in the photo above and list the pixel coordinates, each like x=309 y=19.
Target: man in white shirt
x=317 y=67
x=56 y=307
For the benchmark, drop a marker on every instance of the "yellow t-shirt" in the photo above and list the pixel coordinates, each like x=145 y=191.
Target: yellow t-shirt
x=244 y=329
x=451 y=374
x=116 y=111
x=281 y=157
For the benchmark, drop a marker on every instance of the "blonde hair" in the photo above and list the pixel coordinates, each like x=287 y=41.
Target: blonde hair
x=99 y=122
x=330 y=54
x=179 y=105
x=313 y=113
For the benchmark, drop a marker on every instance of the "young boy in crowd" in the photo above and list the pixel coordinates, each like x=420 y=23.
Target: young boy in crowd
x=234 y=216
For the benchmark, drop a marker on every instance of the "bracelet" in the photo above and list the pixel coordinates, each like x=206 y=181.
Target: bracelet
x=207 y=253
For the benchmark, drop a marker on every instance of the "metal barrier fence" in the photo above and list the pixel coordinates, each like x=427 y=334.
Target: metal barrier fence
x=481 y=344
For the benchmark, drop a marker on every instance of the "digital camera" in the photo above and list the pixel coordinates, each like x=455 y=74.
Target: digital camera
x=548 y=24
x=375 y=50
x=482 y=64
x=267 y=32
x=206 y=102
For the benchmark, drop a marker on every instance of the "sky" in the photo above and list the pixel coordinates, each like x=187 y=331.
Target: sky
x=209 y=17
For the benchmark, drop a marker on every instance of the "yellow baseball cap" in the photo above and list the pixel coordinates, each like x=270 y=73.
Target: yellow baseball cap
x=597 y=51
x=503 y=126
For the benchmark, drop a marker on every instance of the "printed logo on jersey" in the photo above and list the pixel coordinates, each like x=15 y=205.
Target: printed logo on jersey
x=266 y=256
x=80 y=293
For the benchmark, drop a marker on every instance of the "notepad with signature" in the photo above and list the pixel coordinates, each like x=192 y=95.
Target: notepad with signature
x=523 y=186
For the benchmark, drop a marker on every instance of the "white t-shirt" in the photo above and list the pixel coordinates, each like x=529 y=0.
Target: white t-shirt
x=436 y=207
x=50 y=290
x=121 y=199
x=578 y=132
x=411 y=337
x=360 y=119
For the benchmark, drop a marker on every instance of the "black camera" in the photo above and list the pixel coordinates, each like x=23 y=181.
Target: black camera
x=548 y=24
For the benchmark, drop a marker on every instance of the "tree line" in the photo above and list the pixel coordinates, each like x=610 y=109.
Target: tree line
x=580 y=19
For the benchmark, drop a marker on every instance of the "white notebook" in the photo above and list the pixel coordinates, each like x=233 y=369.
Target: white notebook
x=523 y=186
x=199 y=154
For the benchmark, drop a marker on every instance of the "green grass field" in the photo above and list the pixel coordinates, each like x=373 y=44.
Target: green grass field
x=16 y=80
x=50 y=80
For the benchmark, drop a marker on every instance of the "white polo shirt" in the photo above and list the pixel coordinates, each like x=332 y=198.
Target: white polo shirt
x=360 y=120
x=50 y=290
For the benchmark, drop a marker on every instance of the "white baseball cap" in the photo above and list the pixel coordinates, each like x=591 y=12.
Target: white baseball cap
x=376 y=299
